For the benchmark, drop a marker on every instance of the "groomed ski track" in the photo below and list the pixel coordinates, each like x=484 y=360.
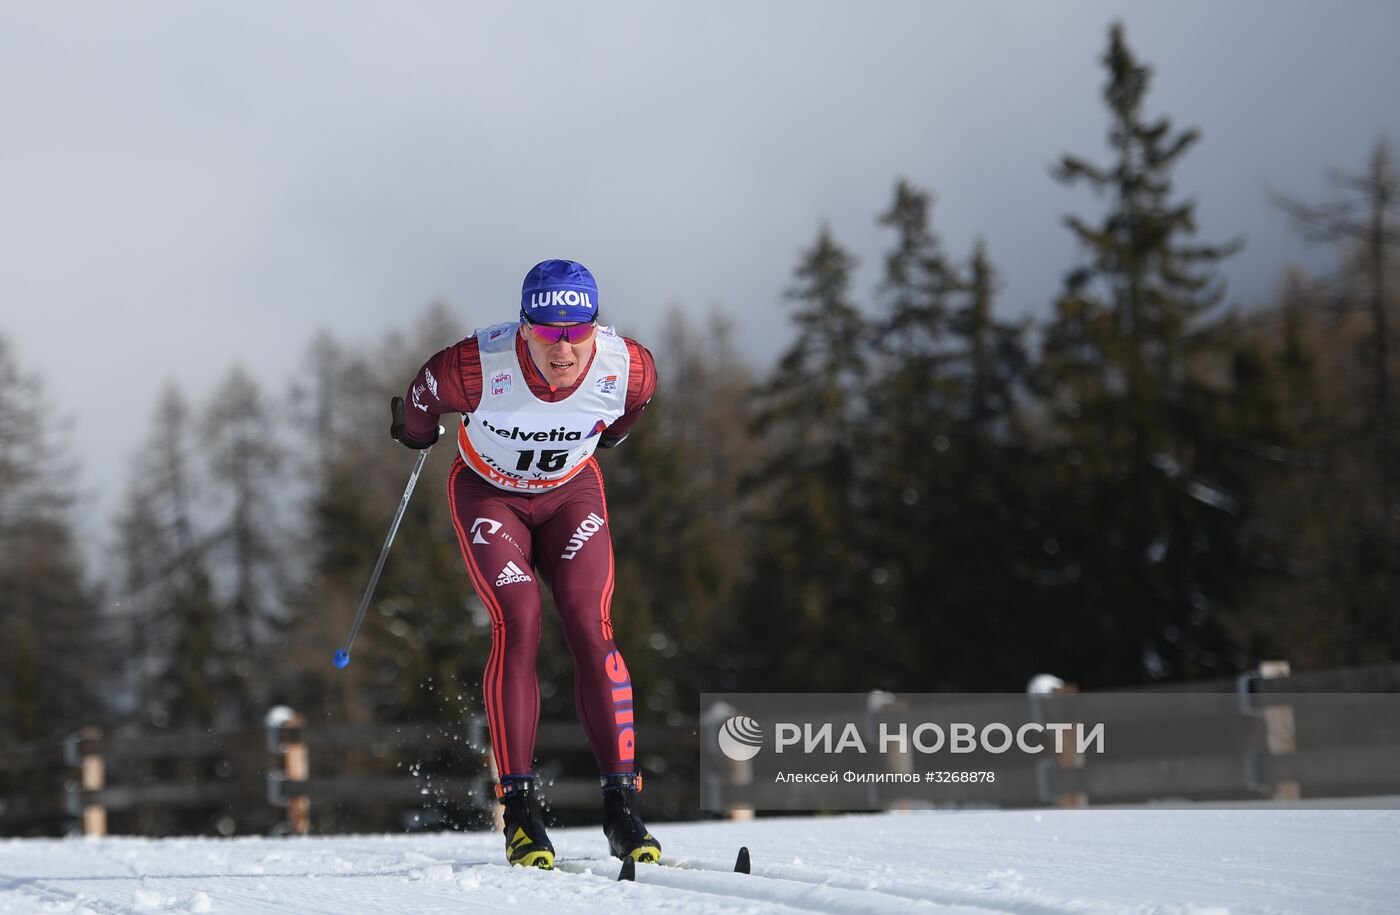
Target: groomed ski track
x=1164 y=862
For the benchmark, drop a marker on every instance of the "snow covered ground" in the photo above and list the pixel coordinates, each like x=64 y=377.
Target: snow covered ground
x=1140 y=861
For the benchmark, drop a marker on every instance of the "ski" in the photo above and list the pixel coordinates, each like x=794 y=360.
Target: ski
x=596 y=867
x=741 y=866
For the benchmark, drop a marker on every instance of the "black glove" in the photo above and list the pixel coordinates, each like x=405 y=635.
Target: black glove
x=396 y=428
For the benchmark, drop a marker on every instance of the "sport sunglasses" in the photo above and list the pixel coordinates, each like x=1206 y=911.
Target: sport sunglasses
x=550 y=335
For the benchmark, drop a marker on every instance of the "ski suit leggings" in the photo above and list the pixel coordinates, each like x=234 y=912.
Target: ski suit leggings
x=505 y=538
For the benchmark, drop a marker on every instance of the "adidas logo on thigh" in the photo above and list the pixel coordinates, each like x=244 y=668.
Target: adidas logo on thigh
x=511 y=574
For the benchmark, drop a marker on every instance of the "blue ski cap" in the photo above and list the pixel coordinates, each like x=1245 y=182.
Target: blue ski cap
x=559 y=292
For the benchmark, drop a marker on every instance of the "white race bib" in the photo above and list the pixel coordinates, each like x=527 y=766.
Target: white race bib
x=518 y=442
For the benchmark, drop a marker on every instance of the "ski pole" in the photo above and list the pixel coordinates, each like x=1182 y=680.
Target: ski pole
x=342 y=655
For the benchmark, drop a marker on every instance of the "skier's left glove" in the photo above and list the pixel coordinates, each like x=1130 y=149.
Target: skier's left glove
x=396 y=431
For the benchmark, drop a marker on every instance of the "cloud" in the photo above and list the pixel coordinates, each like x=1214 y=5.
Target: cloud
x=191 y=185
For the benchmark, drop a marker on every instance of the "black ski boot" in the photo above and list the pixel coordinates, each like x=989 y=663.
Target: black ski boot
x=627 y=834
x=527 y=844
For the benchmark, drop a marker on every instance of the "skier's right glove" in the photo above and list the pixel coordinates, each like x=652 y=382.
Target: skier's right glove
x=396 y=431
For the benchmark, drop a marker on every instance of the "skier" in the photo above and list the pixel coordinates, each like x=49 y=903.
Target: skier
x=537 y=396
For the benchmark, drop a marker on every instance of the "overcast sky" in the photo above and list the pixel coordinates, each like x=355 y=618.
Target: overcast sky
x=187 y=185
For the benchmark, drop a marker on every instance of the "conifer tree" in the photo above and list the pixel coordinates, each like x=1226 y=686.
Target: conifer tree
x=166 y=589
x=51 y=628
x=989 y=539
x=437 y=629
x=946 y=521
x=991 y=358
x=911 y=394
x=672 y=492
x=806 y=604
x=1146 y=546
x=338 y=414
x=913 y=493
x=244 y=463
x=1367 y=242
x=1299 y=531
x=425 y=636
x=918 y=281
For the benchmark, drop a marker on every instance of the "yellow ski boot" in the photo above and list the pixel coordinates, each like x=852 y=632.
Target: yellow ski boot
x=527 y=843
x=627 y=834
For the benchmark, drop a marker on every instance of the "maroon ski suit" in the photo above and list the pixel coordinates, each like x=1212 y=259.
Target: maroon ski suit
x=508 y=538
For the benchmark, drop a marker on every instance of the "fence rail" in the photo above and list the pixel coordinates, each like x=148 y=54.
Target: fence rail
x=1262 y=744
x=279 y=774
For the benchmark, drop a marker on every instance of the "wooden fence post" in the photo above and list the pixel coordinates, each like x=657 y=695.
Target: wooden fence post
x=878 y=702
x=285 y=739
x=83 y=751
x=1041 y=689
x=298 y=768
x=738 y=773
x=1069 y=758
x=1280 y=729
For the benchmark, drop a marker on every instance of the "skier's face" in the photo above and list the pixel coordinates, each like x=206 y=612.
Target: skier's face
x=560 y=361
